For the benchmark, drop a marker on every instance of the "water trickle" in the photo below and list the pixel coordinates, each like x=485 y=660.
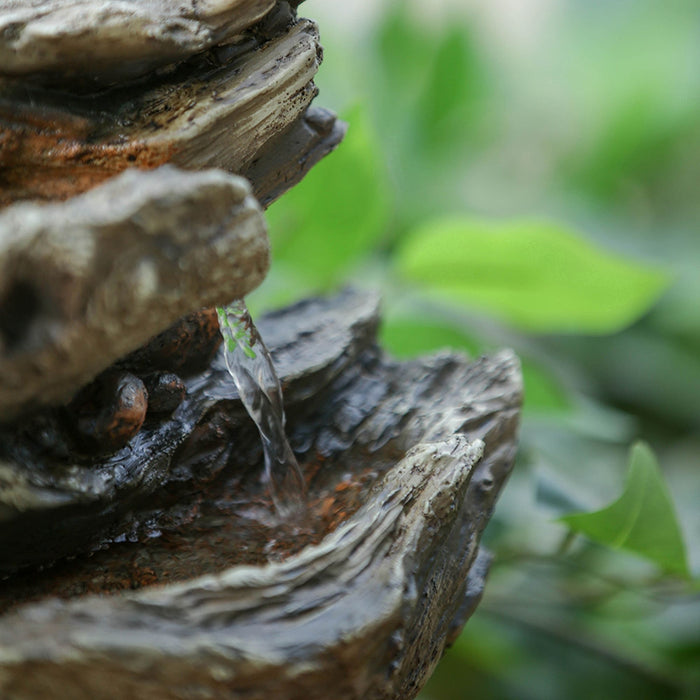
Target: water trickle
x=250 y=366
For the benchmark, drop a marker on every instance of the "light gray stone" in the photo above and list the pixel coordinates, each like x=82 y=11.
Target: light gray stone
x=86 y=281
x=107 y=40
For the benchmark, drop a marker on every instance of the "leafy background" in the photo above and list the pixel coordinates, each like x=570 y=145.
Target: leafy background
x=525 y=173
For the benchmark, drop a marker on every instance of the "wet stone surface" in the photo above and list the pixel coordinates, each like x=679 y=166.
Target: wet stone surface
x=230 y=523
x=71 y=484
x=165 y=567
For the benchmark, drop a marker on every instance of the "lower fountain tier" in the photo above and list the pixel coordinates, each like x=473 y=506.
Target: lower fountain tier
x=403 y=463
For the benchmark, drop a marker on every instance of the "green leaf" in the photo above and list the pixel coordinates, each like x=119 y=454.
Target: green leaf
x=452 y=101
x=536 y=276
x=337 y=213
x=642 y=520
x=409 y=337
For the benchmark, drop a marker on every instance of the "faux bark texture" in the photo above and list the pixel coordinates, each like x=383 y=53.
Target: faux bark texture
x=360 y=605
x=54 y=145
x=107 y=40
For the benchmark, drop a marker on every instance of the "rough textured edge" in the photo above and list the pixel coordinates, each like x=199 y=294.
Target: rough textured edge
x=274 y=90
x=244 y=614
x=123 y=39
x=285 y=159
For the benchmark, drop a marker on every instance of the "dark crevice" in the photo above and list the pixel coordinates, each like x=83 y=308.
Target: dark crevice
x=19 y=308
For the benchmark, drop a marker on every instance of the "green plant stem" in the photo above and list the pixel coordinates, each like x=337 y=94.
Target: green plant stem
x=589 y=645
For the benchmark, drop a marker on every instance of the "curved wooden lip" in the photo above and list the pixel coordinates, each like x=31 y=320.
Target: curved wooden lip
x=370 y=556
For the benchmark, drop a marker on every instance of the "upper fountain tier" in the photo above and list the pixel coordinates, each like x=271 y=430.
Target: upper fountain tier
x=244 y=107
x=111 y=276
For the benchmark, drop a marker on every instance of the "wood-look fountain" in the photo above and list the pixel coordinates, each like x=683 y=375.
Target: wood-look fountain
x=145 y=549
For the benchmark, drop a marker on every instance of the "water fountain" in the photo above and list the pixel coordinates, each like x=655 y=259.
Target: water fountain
x=141 y=551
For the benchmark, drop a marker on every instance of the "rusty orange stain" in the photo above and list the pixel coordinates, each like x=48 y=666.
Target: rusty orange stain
x=51 y=154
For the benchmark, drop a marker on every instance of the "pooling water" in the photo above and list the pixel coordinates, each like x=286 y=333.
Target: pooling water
x=250 y=366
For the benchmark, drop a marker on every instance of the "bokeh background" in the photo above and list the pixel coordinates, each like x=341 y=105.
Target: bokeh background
x=526 y=173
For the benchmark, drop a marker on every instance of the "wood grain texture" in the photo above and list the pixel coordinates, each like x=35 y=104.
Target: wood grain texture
x=108 y=40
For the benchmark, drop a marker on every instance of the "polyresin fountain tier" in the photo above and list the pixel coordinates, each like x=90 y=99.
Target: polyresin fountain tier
x=202 y=592
x=140 y=550
x=243 y=104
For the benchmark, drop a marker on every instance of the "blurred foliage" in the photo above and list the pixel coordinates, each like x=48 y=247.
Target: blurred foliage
x=340 y=228
x=536 y=276
x=642 y=520
x=462 y=133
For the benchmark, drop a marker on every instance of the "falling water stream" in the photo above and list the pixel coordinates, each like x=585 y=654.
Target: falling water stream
x=250 y=366
x=227 y=523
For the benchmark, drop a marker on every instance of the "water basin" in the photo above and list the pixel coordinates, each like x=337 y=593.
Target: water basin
x=210 y=594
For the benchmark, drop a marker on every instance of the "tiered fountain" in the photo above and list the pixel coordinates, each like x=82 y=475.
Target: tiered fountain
x=145 y=549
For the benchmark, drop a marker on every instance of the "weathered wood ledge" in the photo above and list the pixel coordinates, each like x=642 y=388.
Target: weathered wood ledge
x=232 y=109
x=204 y=593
